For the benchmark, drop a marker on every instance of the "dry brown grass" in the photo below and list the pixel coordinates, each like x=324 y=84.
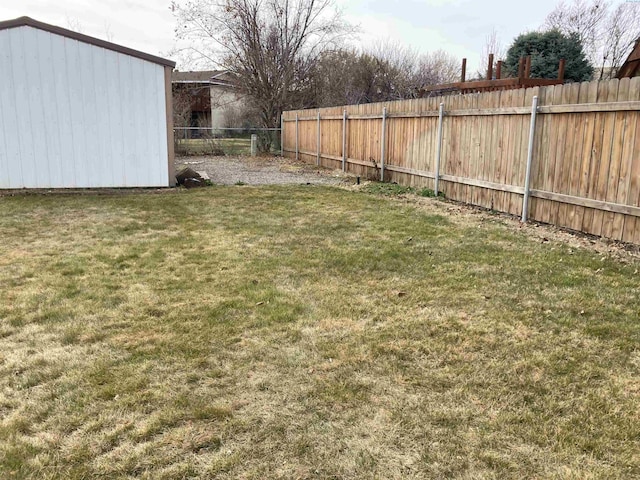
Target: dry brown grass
x=304 y=332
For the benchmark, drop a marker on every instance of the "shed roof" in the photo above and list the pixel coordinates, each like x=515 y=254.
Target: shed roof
x=30 y=22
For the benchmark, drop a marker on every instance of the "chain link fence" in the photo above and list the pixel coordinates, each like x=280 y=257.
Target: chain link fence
x=225 y=141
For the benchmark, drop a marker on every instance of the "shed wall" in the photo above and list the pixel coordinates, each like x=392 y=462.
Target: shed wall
x=74 y=115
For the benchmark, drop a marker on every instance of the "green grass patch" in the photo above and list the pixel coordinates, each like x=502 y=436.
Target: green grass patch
x=295 y=332
x=233 y=146
x=394 y=189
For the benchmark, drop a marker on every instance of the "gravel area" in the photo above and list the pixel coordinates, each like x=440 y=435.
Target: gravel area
x=261 y=171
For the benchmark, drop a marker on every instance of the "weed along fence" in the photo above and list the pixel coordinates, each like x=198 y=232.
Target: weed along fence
x=567 y=155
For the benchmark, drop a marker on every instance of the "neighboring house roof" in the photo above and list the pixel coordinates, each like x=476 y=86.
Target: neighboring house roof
x=212 y=77
x=30 y=22
x=194 y=77
x=631 y=66
x=224 y=79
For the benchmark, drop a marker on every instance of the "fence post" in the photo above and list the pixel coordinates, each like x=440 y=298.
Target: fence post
x=527 y=177
x=282 y=134
x=344 y=140
x=383 y=143
x=254 y=144
x=318 y=142
x=438 y=149
x=297 y=150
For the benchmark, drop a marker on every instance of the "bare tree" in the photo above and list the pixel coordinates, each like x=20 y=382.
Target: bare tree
x=585 y=18
x=182 y=108
x=607 y=33
x=398 y=72
x=74 y=24
x=270 y=46
x=343 y=77
x=621 y=31
x=397 y=65
x=182 y=101
x=492 y=45
x=108 y=33
x=240 y=116
x=386 y=71
x=436 y=68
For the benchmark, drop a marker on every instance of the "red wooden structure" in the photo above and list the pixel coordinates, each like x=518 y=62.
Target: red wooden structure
x=496 y=82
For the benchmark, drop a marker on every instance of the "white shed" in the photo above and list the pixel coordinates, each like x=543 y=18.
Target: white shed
x=79 y=112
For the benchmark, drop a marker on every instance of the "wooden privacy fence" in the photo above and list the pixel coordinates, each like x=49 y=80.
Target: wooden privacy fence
x=569 y=154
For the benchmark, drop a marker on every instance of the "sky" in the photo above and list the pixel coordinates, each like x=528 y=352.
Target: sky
x=459 y=27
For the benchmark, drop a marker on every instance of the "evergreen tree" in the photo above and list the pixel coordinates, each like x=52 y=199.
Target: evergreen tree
x=546 y=50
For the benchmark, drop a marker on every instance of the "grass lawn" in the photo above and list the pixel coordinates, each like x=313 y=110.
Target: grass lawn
x=229 y=146
x=307 y=332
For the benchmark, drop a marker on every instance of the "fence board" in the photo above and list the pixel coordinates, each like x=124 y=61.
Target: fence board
x=479 y=169
x=568 y=159
x=612 y=221
x=497 y=151
x=631 y=225
x=518 y=166
x=605 y=158
x=557 y=124
x=594 y=162
x=634 y=198
x=508 y=159
x=540 y=207
x=588 y=94
x=586 y=152
x=466 y=150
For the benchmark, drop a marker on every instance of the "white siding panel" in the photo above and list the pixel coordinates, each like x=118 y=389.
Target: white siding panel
x=138 y=115
x=62 y=106
x=76 y=111
x=23 y=112
x=103 y=125
x=35 y=99
x=113 y=97
x=150 y=96
x=6 y=157
x=4 y=160
x=52 y=156
x=130 y=136
x=9 y=118
x=90 y=132
x=77 y=115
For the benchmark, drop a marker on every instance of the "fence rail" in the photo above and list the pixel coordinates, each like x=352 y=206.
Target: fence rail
x=572 y=159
